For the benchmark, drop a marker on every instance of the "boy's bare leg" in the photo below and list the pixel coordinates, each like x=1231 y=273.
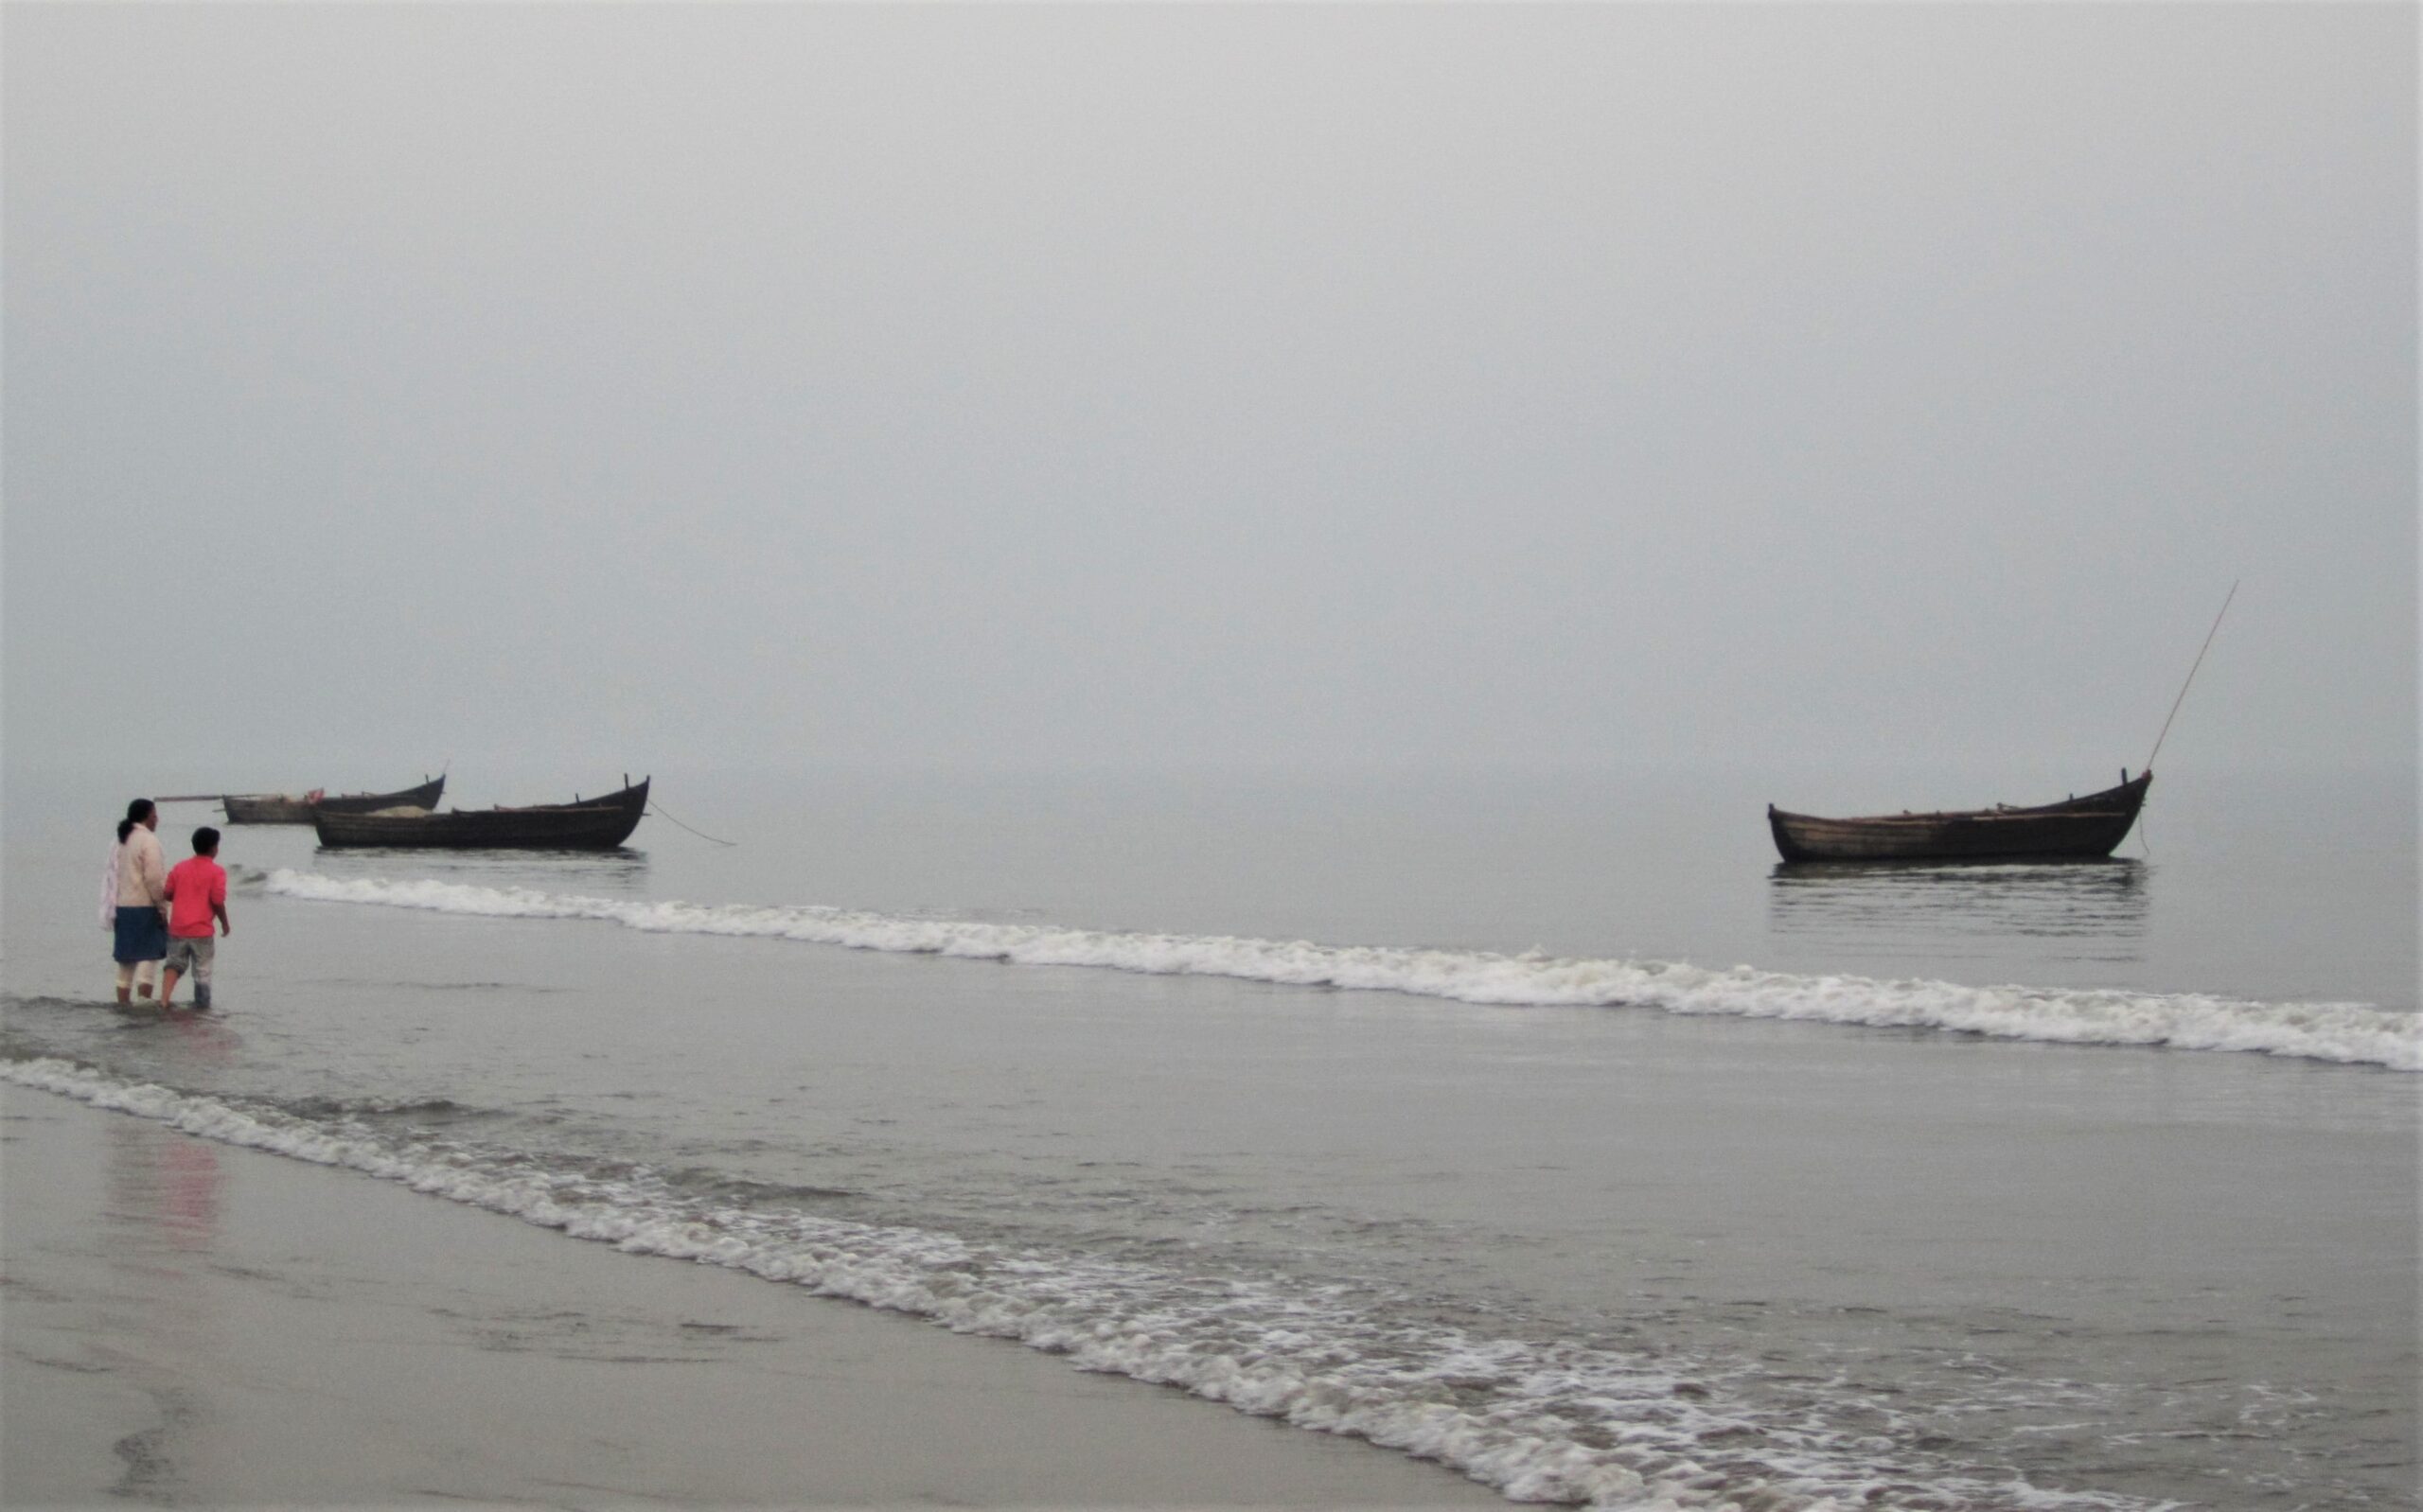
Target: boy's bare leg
x=167 y=985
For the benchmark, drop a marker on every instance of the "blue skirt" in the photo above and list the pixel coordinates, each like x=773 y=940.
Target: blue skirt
x=142 y=934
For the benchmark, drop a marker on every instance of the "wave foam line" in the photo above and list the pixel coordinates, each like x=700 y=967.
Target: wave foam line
x=1538 y=1422
x=2355 y=1033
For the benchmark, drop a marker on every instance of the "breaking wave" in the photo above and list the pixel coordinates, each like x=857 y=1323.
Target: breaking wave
x=2356 y=1033
x=1539 y=1421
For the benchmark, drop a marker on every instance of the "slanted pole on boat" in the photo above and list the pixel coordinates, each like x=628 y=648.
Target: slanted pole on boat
x=2190 y=683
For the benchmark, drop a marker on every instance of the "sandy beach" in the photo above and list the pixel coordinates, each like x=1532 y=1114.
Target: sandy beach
x=190 y=1323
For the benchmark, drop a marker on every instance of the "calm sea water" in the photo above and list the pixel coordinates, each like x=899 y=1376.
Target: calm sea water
x=1540 y=1125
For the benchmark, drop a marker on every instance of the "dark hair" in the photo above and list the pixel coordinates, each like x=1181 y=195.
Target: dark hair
x=204 y=840
x=136 y=813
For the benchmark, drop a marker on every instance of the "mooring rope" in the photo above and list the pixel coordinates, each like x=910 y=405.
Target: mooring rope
x=657 y=809
x=2191 y=677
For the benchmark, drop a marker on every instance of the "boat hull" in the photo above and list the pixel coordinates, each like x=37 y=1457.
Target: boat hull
x=2075 y=829
x=281 y=808
x=599 y=825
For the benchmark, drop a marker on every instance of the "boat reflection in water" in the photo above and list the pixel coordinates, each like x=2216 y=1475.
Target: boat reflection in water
x=2084 y=910
x=621 y=872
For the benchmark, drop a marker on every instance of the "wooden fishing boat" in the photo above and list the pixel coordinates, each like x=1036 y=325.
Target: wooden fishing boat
x=2074 y=828
x=589 y=824
x=281 y=808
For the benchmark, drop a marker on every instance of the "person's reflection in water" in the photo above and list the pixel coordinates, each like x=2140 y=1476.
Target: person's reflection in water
x=163 y=1193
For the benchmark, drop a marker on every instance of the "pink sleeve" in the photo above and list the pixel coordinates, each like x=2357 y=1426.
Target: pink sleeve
x=218 y=889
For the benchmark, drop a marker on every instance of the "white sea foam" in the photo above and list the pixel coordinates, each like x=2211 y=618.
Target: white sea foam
x=2351 y=1032
x=1541 y=1422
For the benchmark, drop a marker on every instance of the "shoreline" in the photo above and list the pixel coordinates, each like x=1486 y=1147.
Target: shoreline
x=200 y=1323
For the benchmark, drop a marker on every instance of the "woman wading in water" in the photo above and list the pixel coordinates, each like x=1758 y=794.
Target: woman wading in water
x=136 y=901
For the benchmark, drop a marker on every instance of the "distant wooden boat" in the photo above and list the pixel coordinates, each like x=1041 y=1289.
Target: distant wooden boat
x=280 y=808
x=592 y=824
x=2073 y=829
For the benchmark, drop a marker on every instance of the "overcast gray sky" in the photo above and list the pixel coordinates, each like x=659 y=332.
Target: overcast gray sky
x=634 y=387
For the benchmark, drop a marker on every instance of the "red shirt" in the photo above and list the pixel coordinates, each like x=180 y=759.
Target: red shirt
x=195 y=884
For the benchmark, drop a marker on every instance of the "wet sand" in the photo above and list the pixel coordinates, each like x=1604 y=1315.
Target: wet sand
x=186 y=1322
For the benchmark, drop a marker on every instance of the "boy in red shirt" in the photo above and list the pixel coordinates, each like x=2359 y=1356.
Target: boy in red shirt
x=197 y=890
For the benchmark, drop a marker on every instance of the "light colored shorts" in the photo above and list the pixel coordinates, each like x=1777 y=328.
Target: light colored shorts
x=192 y=958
